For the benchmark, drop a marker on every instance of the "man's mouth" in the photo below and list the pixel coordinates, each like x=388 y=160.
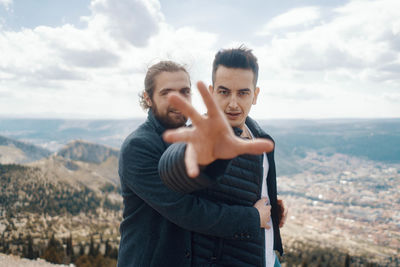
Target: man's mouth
x=174 y=111
x=233 y=115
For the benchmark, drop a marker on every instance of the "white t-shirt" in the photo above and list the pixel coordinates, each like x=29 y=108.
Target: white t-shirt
x=269 y=233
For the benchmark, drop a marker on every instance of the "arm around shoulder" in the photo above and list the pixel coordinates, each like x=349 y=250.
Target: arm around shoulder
x=140 y=174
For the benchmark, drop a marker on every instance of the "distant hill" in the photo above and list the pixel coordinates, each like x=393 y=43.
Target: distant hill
x=93 y=175
x=28 y=189
x=13 y=151
x=373 y=139
x=87 y=152
x=56 y=133
x=77 y=163
x=78 y=170
x=35 y=205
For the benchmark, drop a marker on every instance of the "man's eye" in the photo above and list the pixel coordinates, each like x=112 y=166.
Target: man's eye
x=185 y=92
x=241 y=93
x=223 y=92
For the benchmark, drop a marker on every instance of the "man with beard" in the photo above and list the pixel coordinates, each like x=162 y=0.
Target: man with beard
x=157 y=222
x=246 y=179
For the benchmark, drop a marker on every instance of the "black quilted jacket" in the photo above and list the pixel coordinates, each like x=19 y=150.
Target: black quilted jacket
x=240 y=185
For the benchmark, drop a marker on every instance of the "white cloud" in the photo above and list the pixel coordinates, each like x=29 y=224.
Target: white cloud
x=134 y=21
x=98 y=69
x=362 y=35
x=6 y=3
x=90 y=58
x=392 y=97
x=311 y=65
x=304 y=16
x=351 y=60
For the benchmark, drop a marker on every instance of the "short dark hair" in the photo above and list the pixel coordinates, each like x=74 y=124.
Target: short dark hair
x=240 y=57
x=150 y=79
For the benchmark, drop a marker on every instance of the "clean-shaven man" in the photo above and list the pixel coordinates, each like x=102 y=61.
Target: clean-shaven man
x=157 y=222
x=247 y=177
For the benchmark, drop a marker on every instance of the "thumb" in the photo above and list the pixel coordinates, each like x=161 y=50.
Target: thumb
x=192 y=167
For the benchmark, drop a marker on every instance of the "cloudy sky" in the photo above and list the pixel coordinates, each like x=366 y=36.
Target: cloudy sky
x=87 y=58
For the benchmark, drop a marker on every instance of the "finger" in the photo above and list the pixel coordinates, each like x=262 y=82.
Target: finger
x=212 y=107
x=178 y=135
x=254 y=147
x=267 y=226
x=181 y=104
x=192 y=167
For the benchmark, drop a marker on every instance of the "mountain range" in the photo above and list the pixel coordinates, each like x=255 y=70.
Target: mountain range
x=340 y=179
x=77 y=163
x=373 y=139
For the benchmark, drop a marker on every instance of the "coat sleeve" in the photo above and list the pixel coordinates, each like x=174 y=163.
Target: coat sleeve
x=172 y=170
x=139 y=171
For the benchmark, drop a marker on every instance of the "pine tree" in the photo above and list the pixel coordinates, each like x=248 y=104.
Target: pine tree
x=347 y=261
x=30 y=253
x=3 y=243
x=81 y=249
x=54 y=251
x=108 y=248
x=70 y=248
x=92 y=250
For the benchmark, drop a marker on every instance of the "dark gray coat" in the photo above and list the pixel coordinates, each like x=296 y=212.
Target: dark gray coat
x=158 y=222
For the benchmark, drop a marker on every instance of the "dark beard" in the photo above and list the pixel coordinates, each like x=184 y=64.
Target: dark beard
x=166 y=121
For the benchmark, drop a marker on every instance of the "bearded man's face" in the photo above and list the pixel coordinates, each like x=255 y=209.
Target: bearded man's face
x=165 y=84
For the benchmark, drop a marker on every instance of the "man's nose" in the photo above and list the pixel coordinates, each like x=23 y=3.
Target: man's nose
x=233 y=102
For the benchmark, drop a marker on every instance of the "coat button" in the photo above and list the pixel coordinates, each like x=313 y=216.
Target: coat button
x=236 y=236
x=247 y=236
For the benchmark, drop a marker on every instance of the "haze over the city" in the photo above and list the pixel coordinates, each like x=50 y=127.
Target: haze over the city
x=87 y=59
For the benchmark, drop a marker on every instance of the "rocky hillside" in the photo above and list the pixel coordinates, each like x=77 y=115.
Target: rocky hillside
x=13 y=151
x=82 y=163
x=87 y=152
x=28 y=189
x=15 y=261
x=34 y=205
x=92 y=175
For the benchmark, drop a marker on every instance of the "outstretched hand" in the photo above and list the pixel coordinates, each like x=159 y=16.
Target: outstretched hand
x=211 y=136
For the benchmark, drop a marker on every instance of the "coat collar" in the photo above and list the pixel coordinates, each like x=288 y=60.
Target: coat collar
x=154 y=122
x=256 y=129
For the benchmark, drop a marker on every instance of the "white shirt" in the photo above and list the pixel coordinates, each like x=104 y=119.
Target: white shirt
x=269 y=233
